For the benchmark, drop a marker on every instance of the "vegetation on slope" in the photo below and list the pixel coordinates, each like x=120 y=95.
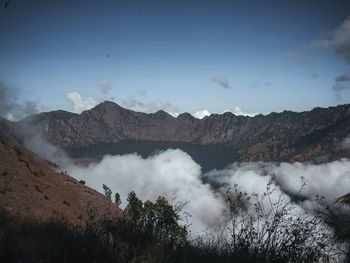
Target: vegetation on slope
x=155 y=232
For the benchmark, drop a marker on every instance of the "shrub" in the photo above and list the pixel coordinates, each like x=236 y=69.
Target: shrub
x=108 y=191
x=263 y=228
x=151 y=232
x=159 y=220
x=117 y=199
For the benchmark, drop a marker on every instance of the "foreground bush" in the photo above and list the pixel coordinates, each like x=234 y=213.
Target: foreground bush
x=152 y=232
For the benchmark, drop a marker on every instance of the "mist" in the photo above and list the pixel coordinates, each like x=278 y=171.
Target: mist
x=11 y=106
x=175 y=175
x=171 y=173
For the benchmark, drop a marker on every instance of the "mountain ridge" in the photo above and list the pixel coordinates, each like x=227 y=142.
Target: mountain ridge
x=284 y=136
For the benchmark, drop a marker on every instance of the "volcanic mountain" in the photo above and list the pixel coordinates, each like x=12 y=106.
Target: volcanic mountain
x=287 y=136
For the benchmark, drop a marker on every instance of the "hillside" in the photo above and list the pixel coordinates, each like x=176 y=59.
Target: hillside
x=32 y=188
x=285 y=136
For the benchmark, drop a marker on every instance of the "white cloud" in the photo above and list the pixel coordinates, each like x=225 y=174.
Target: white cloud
x=237 y=111
x=81 y=103
x=201 y=114
x=330 y=180
x=175 y=175
x=172 y=174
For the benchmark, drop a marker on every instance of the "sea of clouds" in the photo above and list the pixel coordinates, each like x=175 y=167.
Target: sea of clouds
x=175 y=175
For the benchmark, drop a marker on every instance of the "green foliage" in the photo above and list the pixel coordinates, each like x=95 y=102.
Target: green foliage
x=151 y=232
x=159 y=220
x=134 y=207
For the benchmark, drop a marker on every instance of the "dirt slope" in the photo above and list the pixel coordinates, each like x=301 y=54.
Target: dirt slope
x=30 y=187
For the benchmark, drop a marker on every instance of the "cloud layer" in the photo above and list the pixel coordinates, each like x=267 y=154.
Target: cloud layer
x=171 y=173
x=175 y=175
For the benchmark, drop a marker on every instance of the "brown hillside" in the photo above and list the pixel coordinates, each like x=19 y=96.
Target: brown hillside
x=31 y=188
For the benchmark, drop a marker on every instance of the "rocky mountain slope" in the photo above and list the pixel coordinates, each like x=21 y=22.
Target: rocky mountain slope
x=30 y=187
x=286 y=136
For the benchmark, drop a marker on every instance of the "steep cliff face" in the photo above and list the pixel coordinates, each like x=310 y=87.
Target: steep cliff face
x=285 y=136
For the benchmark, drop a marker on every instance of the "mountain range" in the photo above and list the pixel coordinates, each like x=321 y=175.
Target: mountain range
x=35 y=188
x=315 y=135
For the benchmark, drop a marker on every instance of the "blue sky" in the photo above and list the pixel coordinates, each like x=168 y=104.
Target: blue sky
x=179 y=56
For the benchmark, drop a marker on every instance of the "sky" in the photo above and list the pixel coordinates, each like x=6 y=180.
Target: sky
x=200 y=57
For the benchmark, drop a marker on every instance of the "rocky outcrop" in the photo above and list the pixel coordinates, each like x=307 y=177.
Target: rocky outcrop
x=285 y=136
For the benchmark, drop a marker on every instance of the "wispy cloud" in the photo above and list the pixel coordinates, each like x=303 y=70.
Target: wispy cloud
x=222 y=81
x=135 y=101
x=342 y=83
x=175 y=175
x=338 y=39
x=11 y=106
x=104 y=86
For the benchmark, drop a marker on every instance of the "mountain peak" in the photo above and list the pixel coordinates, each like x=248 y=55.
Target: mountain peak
x=108 y=103
x=162 y=113
x=108 y=107
x=185 y=115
